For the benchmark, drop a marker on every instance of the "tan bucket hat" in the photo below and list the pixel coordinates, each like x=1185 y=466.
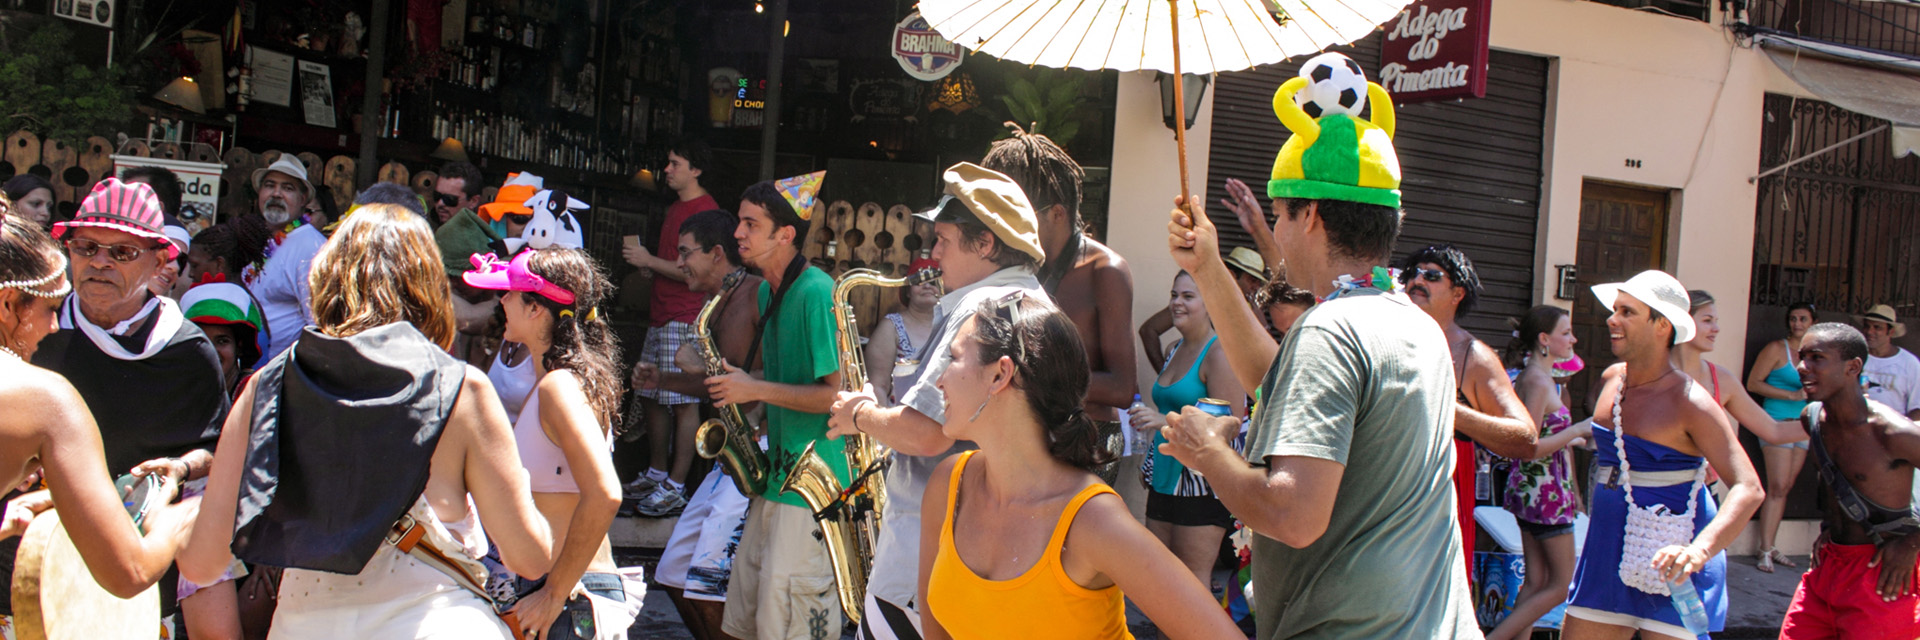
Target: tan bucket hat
x=1249 y=261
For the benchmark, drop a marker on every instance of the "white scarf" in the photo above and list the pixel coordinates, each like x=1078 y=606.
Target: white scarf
x=164 y=327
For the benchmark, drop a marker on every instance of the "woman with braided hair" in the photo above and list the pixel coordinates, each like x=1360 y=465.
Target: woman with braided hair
x=48 y=430
x=550 y=299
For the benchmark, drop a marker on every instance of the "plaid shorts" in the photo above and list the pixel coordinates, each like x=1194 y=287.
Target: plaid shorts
x=662 y=342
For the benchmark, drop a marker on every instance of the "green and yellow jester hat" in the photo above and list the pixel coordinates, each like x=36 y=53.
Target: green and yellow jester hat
x=1336 y=156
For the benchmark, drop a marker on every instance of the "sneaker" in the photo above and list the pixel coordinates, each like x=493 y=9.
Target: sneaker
x=642 y=486
x=664 y=501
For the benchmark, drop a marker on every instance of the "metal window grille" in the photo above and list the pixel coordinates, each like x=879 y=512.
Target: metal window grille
x=1838 y=230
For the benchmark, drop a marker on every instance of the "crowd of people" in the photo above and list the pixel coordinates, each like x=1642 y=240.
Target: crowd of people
x=1327 y=413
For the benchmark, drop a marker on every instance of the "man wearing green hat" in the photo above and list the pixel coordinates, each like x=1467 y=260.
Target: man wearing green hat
x=1349 y=451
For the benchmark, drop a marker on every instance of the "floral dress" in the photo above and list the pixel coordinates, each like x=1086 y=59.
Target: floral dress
x=1541 y=491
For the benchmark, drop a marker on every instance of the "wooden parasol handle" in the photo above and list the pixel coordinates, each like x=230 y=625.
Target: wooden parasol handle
x=1179 y=103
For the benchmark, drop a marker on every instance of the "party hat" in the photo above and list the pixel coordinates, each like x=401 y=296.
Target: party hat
x=800 y=190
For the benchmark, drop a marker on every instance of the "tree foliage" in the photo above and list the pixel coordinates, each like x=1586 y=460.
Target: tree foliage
x=1046 y=104
x=50 y=94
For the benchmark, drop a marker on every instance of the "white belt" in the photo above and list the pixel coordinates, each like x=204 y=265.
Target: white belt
x=1608 y=476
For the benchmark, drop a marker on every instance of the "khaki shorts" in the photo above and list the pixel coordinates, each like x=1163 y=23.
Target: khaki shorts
x=782 y=585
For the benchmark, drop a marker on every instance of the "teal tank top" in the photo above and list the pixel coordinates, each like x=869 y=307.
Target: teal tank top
x=1786 y=377
x=1183 y=393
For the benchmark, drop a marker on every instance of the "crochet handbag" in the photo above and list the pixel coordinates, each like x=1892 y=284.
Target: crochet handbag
x=1649 y=529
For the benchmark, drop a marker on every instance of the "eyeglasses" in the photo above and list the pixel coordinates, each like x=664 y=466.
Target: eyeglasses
x=119 y=252
x=1429 y=275
x=450 y=200
x=519 y=218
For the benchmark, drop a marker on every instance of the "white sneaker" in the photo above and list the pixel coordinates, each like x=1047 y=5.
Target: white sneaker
x=664 y=501
x=642 y=486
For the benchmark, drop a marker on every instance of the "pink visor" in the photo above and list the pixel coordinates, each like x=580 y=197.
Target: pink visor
x=490 y=273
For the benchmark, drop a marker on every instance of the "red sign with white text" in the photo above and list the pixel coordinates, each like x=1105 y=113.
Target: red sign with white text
x=1435 y=50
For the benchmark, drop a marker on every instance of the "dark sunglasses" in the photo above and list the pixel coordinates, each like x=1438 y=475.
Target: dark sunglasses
x=1429 y=275
x=446 y=199
x=519 y=218
x=119 y=252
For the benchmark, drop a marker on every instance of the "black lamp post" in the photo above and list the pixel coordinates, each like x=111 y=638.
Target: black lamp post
x=1195 y=89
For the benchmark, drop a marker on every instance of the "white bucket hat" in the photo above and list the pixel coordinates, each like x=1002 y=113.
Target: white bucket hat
x=1659 y=291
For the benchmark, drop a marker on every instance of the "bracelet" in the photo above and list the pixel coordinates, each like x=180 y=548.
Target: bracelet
x=856 y=417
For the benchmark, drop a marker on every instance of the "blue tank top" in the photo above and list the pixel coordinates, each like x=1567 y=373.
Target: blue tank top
x=1786 y=377
x=1184 y=392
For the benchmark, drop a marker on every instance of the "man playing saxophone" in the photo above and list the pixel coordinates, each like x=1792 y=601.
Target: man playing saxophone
x=698 y=560
x=988 y=247
x=783 y=581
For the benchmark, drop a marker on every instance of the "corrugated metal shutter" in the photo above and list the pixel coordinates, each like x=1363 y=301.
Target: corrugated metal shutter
x=1471 y=170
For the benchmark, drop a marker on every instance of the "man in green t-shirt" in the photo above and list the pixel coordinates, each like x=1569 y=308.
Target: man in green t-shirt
x=783 y=585
x=1346 y=473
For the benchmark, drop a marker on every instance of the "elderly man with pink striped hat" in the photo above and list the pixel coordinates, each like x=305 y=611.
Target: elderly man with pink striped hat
x=151 y=378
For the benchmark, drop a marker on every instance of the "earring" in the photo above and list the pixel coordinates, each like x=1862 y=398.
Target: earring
x=983 y=407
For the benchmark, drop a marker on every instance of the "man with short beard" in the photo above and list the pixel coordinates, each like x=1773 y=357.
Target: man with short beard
x=150 y=377
x=281 y=282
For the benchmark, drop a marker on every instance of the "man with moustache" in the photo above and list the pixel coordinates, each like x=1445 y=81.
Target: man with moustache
x=698 y=560
x=281 y=283
x=1863 y=575
x=150 y=377
x=1441 y=281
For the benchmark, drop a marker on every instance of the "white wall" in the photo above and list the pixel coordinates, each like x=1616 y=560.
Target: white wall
x=1146 y=177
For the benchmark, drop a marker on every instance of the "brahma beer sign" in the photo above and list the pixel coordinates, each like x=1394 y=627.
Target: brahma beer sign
x=923 y=52
x=1436 y=49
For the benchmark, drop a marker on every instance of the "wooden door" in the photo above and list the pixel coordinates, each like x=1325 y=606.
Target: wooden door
x=1623 y=231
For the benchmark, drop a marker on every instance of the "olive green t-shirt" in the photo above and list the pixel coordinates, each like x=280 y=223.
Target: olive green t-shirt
x=800 y=346
x=1365 y=380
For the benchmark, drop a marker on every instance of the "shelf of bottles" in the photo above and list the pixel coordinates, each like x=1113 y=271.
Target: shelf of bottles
x=488 y=97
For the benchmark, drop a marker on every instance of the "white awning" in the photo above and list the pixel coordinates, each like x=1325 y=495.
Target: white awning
x=1866 y=82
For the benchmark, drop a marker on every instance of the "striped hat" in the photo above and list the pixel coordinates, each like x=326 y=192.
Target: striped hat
x=122 y=206
x=228 y=304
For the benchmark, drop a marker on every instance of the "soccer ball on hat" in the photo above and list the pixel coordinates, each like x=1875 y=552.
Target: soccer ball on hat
x=1335 y=85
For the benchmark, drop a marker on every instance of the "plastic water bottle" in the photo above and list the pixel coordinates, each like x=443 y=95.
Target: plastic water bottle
x=1693 y=613
x=1136 y=440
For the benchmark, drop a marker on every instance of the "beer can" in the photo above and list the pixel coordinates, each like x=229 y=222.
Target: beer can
x=1215 y=407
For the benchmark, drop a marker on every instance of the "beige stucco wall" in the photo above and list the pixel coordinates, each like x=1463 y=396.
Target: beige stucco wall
x=1678 y=95
x=1146 y=177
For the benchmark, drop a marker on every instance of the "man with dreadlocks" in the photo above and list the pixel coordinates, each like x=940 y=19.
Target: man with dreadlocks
x=1089 y=281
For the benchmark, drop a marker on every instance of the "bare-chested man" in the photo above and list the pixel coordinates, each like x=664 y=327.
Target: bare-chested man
x=1672 y=426
x=47 y=429
x=1089 y=281
x=1863 y=576
x=699 y=555
x=1441 y=281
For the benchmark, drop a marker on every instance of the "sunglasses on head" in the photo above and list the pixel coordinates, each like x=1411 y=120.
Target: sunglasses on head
x=119 y=252
x=1429 y=275
x=447 y=199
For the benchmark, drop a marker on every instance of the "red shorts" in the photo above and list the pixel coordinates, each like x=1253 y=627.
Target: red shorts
x=1842 y=592
x=1464 y=466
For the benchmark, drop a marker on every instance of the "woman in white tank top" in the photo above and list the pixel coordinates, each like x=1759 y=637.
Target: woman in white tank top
x=561 y=433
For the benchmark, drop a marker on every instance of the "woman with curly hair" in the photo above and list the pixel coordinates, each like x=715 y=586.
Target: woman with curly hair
x=551 y=299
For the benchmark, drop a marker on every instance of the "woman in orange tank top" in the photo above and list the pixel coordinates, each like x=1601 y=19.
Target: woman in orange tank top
x=1029 y=542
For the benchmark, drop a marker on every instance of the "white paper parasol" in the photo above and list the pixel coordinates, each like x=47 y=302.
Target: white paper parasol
x=1133 y=35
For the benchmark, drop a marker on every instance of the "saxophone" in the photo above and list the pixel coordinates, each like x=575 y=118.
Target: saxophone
x=728 y=437
x=849 y=516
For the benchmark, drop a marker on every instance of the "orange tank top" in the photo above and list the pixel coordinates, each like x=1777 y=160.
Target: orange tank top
x=1041 y=603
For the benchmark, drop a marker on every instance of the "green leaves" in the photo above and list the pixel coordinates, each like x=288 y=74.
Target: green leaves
x=1046 y=103
x=53 y=96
